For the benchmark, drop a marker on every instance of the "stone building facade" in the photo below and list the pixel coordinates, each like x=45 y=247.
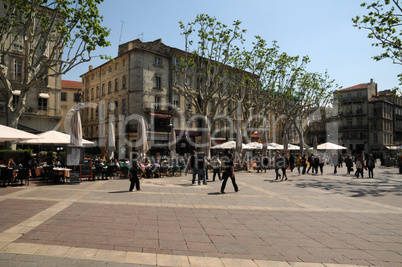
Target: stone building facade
x=369 y=121
x=142 y=81
x=70 y=96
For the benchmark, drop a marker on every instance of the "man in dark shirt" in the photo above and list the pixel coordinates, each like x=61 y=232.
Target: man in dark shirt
x=193 y=166
x=201 y=166
x=229 y=173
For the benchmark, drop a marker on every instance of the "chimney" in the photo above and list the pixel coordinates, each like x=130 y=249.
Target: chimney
x=91 y=67
x=371 y=80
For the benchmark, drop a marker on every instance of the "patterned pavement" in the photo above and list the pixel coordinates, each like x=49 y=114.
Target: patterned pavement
x=309 y=220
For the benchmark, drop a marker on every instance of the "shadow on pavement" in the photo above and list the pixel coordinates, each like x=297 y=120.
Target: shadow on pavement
x=119 y=192
x=356 y=187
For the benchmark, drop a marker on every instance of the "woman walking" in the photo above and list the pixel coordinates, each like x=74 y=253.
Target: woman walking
x=370 y=163
x=359 y=166
x=134 y=181
x=283 y=164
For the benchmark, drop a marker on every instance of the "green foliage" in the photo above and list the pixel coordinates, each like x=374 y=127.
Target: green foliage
x=384 y=21
x=20 y=156
x=51 y=37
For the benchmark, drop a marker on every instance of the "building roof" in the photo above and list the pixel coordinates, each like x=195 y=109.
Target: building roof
x=359 y=86
x=71 y=84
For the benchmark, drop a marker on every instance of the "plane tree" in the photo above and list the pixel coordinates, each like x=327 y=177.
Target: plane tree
x=383 y=21
x=49 y=38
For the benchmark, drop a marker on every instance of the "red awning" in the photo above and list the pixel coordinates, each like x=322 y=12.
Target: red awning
x=160 y=115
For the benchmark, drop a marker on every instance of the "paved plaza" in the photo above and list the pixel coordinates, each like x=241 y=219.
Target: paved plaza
x=309 y=220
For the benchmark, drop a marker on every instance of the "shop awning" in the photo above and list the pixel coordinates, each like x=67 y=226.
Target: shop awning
x=160 y=115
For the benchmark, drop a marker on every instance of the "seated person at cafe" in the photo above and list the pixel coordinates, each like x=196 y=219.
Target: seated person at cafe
x=11 y=163
x=148 y=168
x=116 y=163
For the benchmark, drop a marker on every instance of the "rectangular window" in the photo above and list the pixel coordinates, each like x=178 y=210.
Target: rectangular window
x=158 y=61
x=103 y=89
x=176 y=100
x=42 y=103
x=63 y=96
x=97 y=92
x=157 y=103
x=18 y=70
x=15 y=100
x=359 y=122
x=157 y=82
x=349 y=123
x=116 y=85
x=18 y=45
x=176 y=61
x=109 y=87
x=124 y=82
x=77 y=97
x=92 y=93
x=188 y=105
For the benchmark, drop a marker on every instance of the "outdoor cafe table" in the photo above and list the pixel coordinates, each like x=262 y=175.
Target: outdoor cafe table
x=63 y=171
x=38 y=171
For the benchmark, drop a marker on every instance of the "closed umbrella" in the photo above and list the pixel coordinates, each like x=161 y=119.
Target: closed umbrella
x=12 y=134
x=264 y=144
x=142 y=140
x=239 y=143
x=111 y=139
x=76 y=130
x=172 y=142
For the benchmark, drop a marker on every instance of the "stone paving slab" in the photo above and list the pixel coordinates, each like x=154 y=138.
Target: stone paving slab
x=329 y=220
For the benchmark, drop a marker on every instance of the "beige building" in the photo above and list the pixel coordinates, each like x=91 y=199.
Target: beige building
x=42 y=109
x=370 y=121
x=142 y=80
x=69 y=97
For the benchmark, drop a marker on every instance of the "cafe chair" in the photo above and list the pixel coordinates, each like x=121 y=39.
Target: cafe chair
x=23 y=174
x=110 y=172
x=7 y=176
x=98 y=172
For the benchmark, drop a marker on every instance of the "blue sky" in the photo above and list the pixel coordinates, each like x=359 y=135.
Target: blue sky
x=321 y=29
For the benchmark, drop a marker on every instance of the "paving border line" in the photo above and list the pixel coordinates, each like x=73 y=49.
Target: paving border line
x=142 y=258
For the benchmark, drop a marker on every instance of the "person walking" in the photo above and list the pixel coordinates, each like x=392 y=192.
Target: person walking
x=370 y=164
x=283 y=164
x=349 y=164
x=192 y=164
x=277 y=167
x=216 y=166
x=359 y=165
x=316 y=160
x=134 y=181
x=298 y=163
x=335 y=162
x=310 y=162
x=229 y=173
x=201 y=166
x=291 y=162
x=304 y=164
x=321 y=163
